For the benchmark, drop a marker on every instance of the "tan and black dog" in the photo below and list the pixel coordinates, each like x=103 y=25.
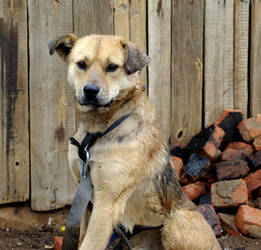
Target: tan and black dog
x=134 y=182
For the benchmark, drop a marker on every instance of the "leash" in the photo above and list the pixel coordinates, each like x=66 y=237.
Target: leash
x=84 y=190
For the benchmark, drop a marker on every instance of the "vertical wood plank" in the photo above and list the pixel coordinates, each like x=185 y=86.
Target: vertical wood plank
x=121 y=18
x=93 y=17
x=241 y=37
x=52 y=116
x=255 y=60
x=14 y=136
x=187 y=53
x=159 y=73
x=138 y=34
x=218 y=61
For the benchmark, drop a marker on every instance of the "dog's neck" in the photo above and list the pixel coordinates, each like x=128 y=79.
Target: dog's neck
x=100 y=118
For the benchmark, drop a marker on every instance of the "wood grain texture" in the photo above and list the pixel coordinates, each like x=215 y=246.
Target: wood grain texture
x=52 y=116
x=218 y=61
x=138 y=34
x=93 y=17
x=159 y=73
x=14 y=136
x=122 y=18
x=241 y=37
x=187 y=53
x=255 y=58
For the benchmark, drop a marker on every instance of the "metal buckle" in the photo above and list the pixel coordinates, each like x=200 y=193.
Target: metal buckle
x=84 y=165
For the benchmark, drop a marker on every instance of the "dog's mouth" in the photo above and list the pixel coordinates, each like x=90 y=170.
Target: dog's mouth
x=94 y=103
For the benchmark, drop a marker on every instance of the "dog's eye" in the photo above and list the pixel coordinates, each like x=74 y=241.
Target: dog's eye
x=112 y=67
x=82 y=65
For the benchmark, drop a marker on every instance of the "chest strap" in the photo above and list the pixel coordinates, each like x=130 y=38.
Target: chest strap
x=91 y=138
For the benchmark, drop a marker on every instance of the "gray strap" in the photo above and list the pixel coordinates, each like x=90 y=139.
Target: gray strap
x=80 y=202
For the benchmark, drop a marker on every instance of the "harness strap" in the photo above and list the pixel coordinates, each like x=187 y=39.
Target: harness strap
x=91 y=138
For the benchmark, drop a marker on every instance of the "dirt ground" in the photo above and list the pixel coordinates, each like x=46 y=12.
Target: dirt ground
x=25 y=230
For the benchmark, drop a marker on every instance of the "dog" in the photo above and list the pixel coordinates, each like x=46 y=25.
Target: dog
x=133 y=178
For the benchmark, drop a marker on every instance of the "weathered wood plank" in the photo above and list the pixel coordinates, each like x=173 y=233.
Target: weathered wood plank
x=255 y=58
x=52 y=117
x=93 y=17
x=138 y=34
x=241 y=37
x=121 y=18
x=218 y=61
x=14 y=136
x=187 y=53
x=159 y=73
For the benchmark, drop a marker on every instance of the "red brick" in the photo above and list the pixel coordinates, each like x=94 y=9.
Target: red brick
x=178 y=165
x=257 y=143
x=226 y=113
x=243 y=147
x=58 y=242
x=232 y=154
x=253 y=181
x=248 y=220
x=231 y=169
x=211 y=217
x=228 y=223
x=211 y=147
x=230 y=193
x=249 y=129
x=195 y=190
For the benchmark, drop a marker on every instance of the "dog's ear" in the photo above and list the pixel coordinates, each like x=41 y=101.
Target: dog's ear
x=63 y=45
x=135 y=58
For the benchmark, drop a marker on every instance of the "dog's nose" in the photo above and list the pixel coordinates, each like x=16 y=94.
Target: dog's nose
x=91 y=90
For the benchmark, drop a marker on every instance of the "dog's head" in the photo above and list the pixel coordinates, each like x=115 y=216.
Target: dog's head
x=100 y=68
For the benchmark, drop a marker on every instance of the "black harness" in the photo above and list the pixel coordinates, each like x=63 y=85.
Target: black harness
x=84 y=191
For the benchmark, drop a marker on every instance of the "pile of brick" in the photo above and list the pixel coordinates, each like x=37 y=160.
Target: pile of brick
x=220 y=170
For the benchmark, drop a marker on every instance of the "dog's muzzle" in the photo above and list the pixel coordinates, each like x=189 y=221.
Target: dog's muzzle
x=91 y=98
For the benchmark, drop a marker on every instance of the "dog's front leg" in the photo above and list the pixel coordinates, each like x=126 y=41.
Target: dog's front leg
x=99 y=228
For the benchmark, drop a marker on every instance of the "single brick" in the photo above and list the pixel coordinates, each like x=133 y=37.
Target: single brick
x=257 y=143
x=178 y=165
x=230 y=193
x=231 y=169
x=232 y=154
x=197 y=166
x=254 y=161
x=211 y=217
x=253 y=181
x=229 y=121
x=248 y=220
x=249 y=129
x=195 y=190
x=211 y=147
x=58 y=242
x=228 y=223
x=244 y=148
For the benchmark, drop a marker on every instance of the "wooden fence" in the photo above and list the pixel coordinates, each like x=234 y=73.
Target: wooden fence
x=206 y=56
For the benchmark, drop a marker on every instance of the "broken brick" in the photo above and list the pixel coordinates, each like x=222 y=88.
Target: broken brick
x=257 y=143
x=229 y=121
x=207 y=140
x=253 y=181
x=195 y=190
x=254 y=161
x=231 y=169
x=230 y=193
x=178 y=165
x=248 y=220
x=197 y=166
x=249 y=129
x=210 y=149
x=58 y=242
x=228 y=223
x=211 y=217
x=237 y=150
